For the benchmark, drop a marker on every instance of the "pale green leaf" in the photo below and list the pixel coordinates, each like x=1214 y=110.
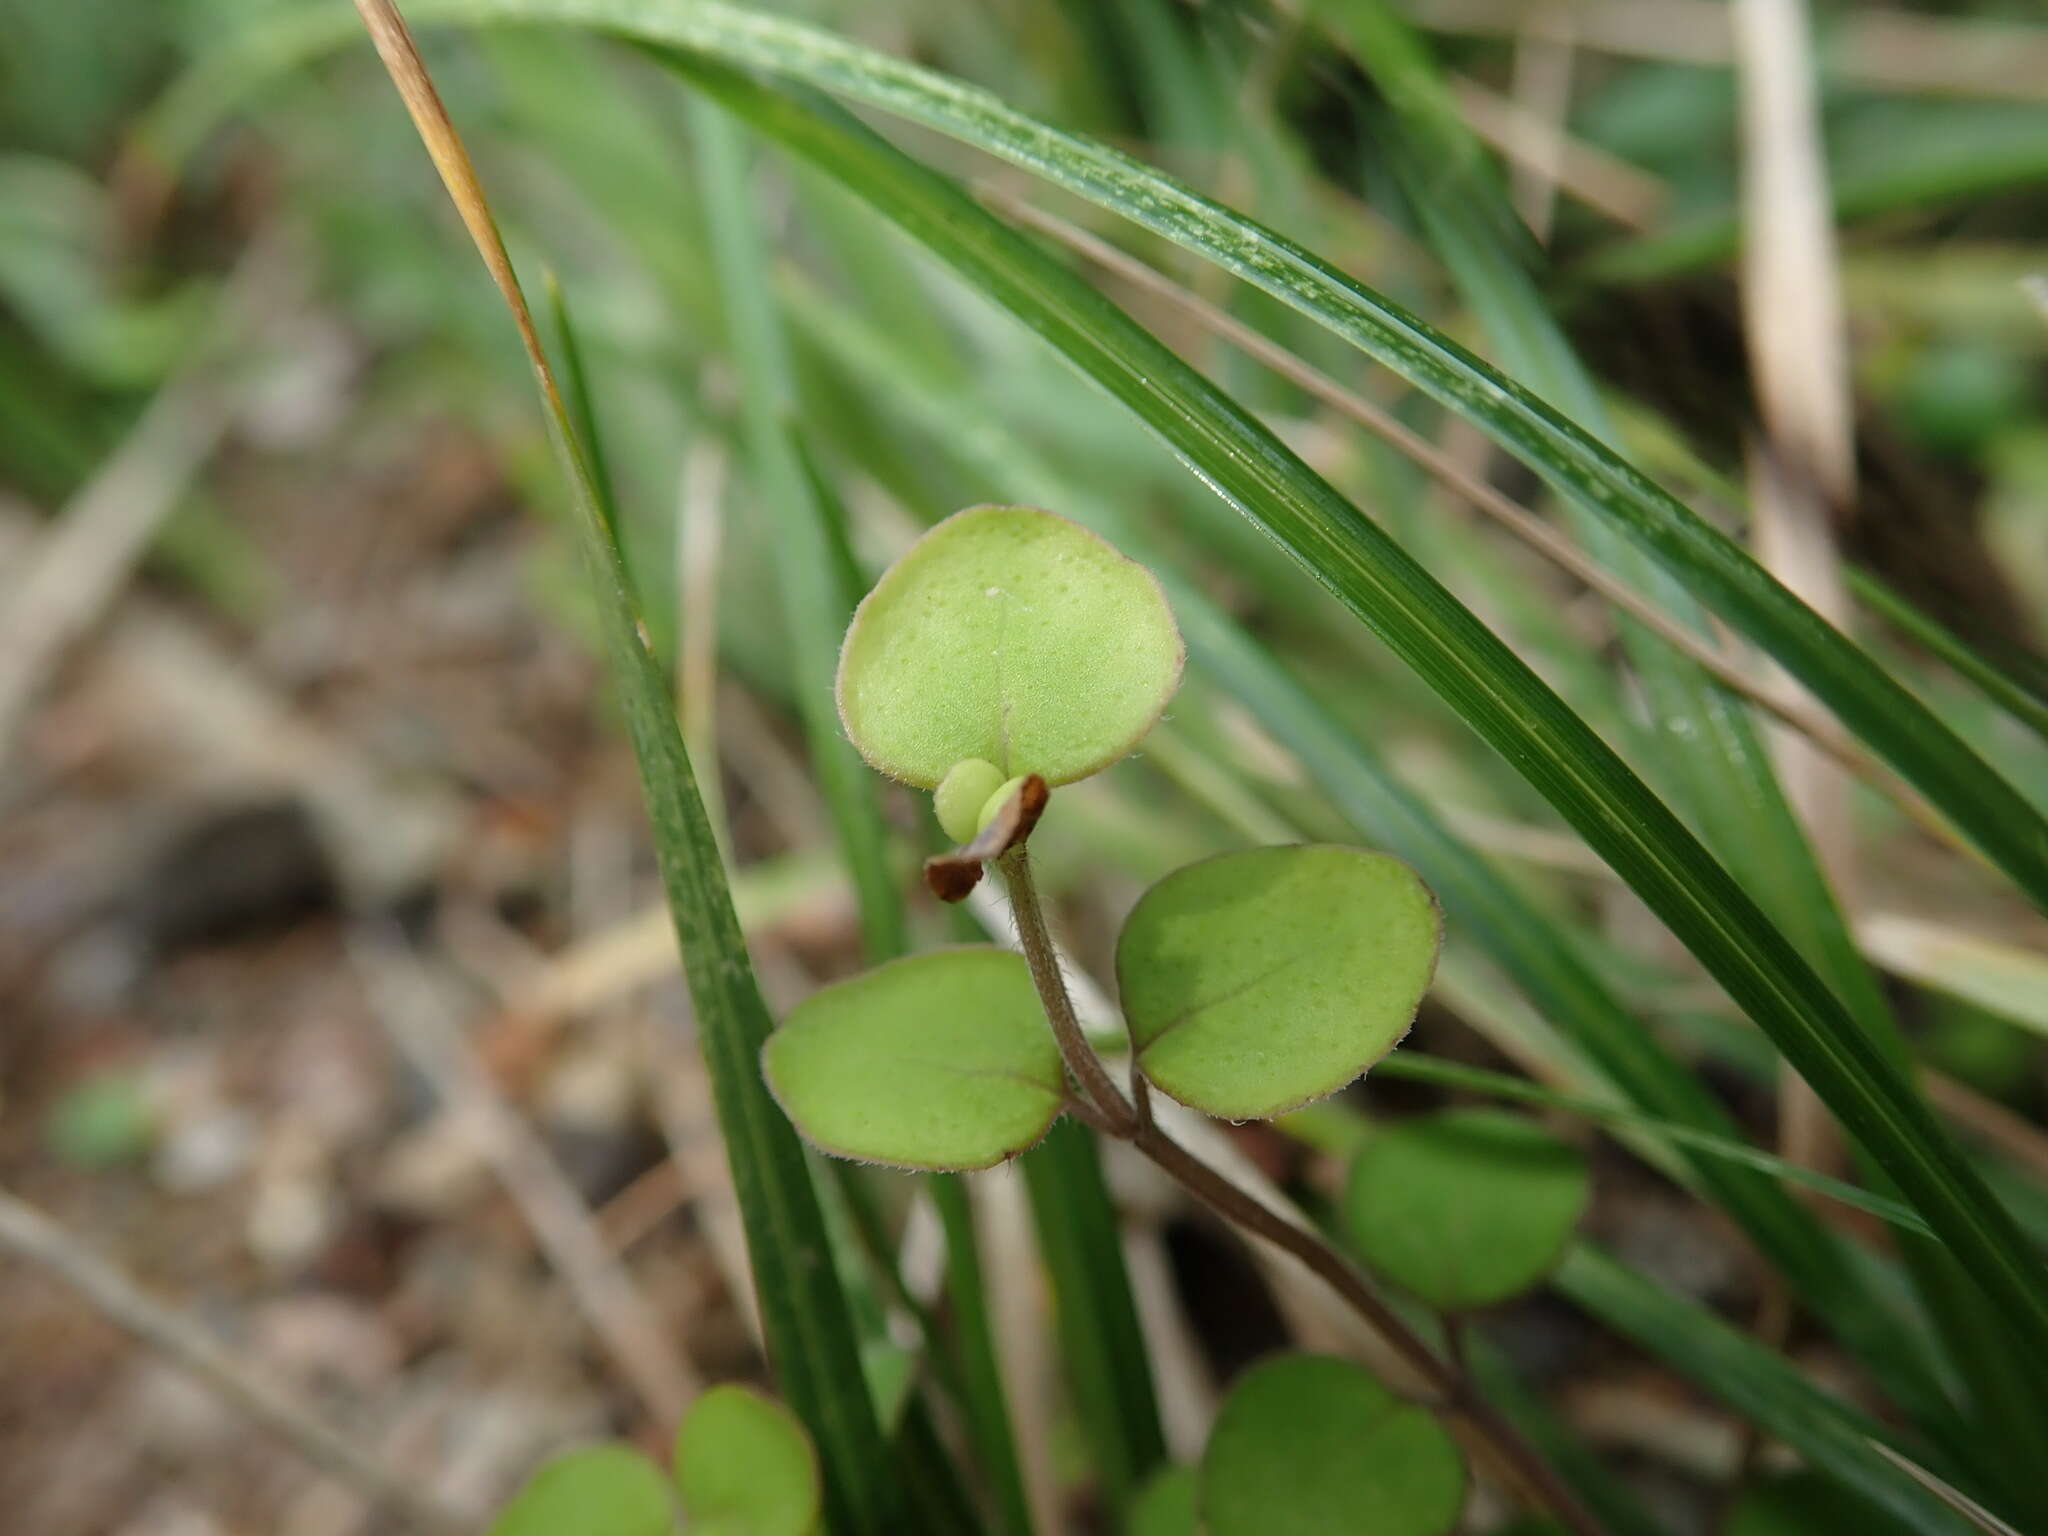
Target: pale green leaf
x=1258 y=981
x=1466 y=1207
x=1013 y=636
x=939 y=1061
x=745 y=1467
x=1308 y=1445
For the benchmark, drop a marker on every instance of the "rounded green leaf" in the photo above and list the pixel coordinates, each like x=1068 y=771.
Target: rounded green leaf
x=597 y=1490
x=1009 y=635
x=745 y=1467
x=962 y=793
x=1465 y=1207
x=1166 y=1506
x=938 y=1061
x=1307 y=1445
x=1257 y=981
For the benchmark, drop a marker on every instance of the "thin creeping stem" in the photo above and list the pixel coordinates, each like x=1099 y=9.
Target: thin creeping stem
x=1101 y=1104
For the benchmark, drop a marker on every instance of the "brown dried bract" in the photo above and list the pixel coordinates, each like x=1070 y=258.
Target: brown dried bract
x=952 y=875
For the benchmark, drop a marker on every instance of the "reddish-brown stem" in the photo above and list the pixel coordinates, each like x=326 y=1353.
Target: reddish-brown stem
x=1452 y=1387
x=1105 y=1108
x=1036 y=940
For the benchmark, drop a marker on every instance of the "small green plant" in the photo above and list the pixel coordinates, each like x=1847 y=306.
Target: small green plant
x=742 y=1466
x=1010 y=651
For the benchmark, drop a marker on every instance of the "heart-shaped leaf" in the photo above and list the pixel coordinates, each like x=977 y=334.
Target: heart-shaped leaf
x=595 y=1490
x=938 y=1061
x=1466 y=1207
x=1257 y=981
x=1307 y=1445
x=745 y=1467
x=1011 y=636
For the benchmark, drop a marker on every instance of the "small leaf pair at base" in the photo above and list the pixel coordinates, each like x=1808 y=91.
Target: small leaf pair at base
x=1258 y=981
x=940 y=1061
x=743 y=1467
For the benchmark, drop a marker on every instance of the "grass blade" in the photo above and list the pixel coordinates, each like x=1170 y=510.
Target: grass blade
x=1098 y=1322
x=803 y=1310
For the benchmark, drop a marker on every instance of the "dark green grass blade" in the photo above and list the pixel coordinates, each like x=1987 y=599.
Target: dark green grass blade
x=803 y=1311
x=982 y=1378
x=1099 y=1335
x=1703 y=738
x=1757 y=1383
x=1441 y=640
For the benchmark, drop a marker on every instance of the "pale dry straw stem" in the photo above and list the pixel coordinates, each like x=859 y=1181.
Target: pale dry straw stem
x=700 y=536
x=1540 y=148
x=1953 y=1497
x=1803 y=475
x=29 y=1235
x=416 y=1016
x=1542 y=90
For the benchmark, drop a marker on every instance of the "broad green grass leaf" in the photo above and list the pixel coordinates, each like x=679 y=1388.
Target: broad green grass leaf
x=1307 y=1445
x=1256 y=981
x=745 y=1467
x=1011 y=636
x=1466 y=1207
x=598 y=1490
x=937 y=1061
